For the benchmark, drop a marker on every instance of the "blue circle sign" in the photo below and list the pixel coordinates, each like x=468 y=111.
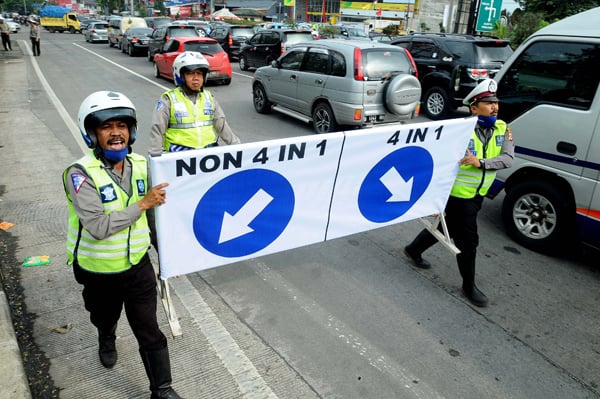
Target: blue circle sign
x=243 y=213
x=395 y=184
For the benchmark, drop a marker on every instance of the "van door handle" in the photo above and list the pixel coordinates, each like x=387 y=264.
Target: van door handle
x=566 y=148
x=319 y=81
x=293 y=77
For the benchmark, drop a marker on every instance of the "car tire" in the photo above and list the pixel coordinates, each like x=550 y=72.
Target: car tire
x=156 y=71
x=536 y=215
x=71 y=30
x=436 y=103
x=262 y=105
x=243 y=63
x=324 y=119
x=227 y=82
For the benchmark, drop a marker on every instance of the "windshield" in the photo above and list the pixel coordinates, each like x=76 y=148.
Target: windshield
x=203 y=47
x=380 y=63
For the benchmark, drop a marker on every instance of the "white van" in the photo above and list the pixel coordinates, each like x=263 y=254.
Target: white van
x=548 y=92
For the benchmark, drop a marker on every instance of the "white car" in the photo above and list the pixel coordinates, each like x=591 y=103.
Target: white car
x=14 y=26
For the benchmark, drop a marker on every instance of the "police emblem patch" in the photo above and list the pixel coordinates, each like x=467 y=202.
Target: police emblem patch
x=141 y=186
x=78 y=179
x=108 y=193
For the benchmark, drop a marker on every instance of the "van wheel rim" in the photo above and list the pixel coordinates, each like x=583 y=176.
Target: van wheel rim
x=534 y=216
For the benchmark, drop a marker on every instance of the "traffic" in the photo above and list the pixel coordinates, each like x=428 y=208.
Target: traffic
x=352 y=317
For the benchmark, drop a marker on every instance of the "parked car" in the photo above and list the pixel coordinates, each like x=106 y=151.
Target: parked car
x=268 y=45
x=451 y=65
x=117 y=28
x=203 y=27
x=155 y=22
x=220 y=68
x=96 y=32
x=231 y=37
x=349 y=32
x=549 y=93
x=135 y=41
x=163 y=33
x=337 y=83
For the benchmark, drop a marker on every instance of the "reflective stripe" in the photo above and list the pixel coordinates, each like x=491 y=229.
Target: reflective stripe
x=190 y=125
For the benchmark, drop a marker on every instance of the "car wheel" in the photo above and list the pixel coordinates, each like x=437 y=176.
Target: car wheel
x=243 y=63
x=262 y=105
x=156 y=71
x=436 y=103
x=323 y=119
x=130 y=51
x=536 y=215
x=71 y=29
x=227 y=82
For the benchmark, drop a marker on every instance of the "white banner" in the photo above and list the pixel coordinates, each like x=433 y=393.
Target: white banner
x=229 y=203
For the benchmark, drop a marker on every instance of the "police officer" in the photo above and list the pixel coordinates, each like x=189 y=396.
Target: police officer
x=491 y=148
x=109 y=235
x=188 y=116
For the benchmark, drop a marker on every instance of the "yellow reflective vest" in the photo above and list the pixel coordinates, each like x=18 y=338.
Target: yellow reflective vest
x=122 y=250
x=190 y=125
x=470 y=180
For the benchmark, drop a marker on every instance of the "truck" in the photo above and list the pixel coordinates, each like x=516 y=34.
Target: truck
x=59 y=19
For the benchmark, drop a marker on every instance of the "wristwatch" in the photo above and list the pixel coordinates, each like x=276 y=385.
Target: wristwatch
x=482 y=164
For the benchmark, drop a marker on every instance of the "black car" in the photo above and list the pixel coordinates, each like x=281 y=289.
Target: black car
x=231 y=37
x=163 y=33
x=135 y=41
x=268 y=45
x=451 y=65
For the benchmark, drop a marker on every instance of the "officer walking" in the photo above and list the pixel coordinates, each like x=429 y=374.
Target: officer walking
x=491 y=148
x=109 y=235
x=188 y=116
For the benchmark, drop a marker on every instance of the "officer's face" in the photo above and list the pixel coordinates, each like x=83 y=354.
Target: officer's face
x=485 y=108
x=194 y=79
x=113 y=135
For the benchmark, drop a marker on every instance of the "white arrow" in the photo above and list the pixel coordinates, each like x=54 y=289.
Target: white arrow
x=237 y=225
x=397 y=186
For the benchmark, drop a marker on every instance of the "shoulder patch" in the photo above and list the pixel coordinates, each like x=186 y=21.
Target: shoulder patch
x=159 y=105
x=78 y=179
x=141 y=186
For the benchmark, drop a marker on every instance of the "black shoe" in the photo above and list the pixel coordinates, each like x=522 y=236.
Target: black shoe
x=476 y=297
x=418 y=261
x=107 y=350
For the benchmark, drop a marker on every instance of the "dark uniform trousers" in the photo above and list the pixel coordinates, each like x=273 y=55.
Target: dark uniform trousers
x=461 y=219
x=105 y=294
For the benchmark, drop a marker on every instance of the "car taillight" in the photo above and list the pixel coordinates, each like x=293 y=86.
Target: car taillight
x=93 y=31
x=230 y=40
x=412 y=62
x=358 y=65
x=282 y=48
x=477 y=74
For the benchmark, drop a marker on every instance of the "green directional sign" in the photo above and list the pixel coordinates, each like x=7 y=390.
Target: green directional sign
x=489 y=11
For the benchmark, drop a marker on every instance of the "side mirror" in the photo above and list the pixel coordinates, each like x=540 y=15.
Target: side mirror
x=275 y=64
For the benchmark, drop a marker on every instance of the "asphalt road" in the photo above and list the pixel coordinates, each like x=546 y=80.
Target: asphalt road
x=351 y=316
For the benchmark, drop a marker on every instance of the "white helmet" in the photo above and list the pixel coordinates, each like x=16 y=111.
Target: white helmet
x=102 y=106
x=190 y=60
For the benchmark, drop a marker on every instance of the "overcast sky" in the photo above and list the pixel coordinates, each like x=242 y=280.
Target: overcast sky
x=509 y=5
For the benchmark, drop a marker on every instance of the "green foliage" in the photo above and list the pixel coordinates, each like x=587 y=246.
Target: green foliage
x=159 y=7
x=557 y=9
x=391 y=30
x=500 y=29
x=442 y=30
x=529 y=22
x=424 y=27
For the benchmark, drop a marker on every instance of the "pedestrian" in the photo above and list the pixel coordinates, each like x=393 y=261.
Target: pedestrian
x=109 y=234
x=188 y=116
x=491 y=148
x=5 y=32
x=34 y=36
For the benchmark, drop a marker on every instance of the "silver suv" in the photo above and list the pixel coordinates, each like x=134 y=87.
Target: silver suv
x=339 y=83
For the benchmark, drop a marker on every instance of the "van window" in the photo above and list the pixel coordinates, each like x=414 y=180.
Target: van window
x=550 y=72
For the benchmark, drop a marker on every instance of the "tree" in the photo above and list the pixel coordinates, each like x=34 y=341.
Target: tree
x=529 y=22
x=554 y=10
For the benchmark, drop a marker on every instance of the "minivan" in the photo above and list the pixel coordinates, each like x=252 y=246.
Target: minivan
x=548 y=94
x=118 y=26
